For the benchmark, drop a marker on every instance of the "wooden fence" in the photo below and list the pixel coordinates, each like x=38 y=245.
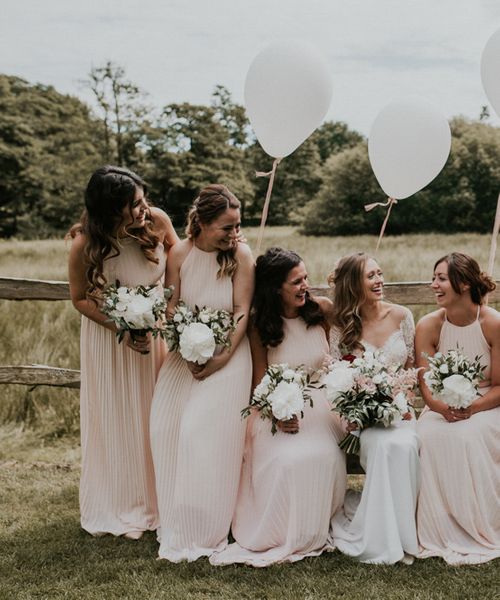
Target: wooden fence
x=408 y=293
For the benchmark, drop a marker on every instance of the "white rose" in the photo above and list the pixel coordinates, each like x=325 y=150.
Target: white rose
x=458 y=391
x=338 y=380
x=260 y=389
x=204 y=318
x=177 y=318
x=123 y=293
x=197 y=343
x=401 y=404
x=289 y=374
x=444 y=369
x=378 y=378
x=286 y=400
x=139 y=314
x=266 y=380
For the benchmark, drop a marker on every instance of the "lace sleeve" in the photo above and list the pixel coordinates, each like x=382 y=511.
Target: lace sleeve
x=408 y=330
x=335 y=343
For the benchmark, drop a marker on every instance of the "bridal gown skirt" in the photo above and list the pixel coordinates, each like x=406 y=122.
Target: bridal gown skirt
x=378 y=525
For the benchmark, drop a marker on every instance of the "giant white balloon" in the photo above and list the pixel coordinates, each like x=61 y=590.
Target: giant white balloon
x=490 y=70
x=288 y=90
x=408 y=146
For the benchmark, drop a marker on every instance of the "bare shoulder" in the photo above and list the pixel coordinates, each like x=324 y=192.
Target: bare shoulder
x=243 y=254
x=78 y=244
x=399 y=312
x=431 y=322
x=490 y=322
x=160 y=218
x=326 y=306
x=179 y=251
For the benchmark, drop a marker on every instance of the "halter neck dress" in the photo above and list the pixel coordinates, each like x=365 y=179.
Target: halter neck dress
x=459 y=505
x=197 y=433
x=117 y=486
x=291 y=484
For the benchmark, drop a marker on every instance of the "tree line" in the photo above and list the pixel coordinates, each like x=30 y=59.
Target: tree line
x=50 y=143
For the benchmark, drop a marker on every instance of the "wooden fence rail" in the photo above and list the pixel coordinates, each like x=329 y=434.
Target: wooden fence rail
x=415 y=293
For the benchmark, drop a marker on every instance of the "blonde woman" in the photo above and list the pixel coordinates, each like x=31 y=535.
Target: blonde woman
x=197 y=433
x=377 y=526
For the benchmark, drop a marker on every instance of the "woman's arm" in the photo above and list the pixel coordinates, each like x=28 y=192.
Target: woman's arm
x=243 y=286
x=164 y=228
x=426 y=341
x=491 y=330
x=78 y=287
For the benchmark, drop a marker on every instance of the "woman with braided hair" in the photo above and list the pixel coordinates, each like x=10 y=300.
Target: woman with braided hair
x=119 y=237
x=197 y=433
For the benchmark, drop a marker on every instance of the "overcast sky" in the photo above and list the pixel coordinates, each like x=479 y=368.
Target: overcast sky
x=178 y=50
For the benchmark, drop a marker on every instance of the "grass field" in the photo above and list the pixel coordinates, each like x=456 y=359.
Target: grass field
x=44 y=554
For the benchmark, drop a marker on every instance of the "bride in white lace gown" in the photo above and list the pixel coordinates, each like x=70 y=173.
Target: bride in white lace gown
x=377 y=525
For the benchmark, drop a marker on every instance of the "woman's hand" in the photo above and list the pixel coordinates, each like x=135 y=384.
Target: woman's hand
x=290 y=426
x=459 y=414
x=201 y=372
x=407 y=416
x=351 y=427
x=138 y=343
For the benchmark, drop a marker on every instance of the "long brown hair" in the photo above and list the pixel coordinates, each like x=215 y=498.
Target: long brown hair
x=347 y=279
x=213 y=201
x=463 y=269
x=109 y=191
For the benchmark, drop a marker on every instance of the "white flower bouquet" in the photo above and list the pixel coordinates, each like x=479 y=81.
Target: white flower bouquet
x=135 y=309
x=281 y=394
x=196 y=333
x=367 y=392
x=453 y=378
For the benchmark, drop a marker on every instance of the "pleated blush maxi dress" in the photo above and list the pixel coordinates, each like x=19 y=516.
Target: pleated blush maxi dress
x=291 y=484
x=117 y=487
x=458 y=515
x=197 y=433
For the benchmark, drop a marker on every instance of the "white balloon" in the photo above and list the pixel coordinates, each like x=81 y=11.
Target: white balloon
x=490 y=70
x=408 y=146
x=288 y=90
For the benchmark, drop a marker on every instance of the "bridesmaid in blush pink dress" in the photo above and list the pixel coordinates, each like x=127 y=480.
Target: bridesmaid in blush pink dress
x=119 y=238
x=458 y=514
x=197 y=433
x=291 y=485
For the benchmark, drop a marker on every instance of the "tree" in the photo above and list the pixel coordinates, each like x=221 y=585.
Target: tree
x=48 y=147
x=125 y=116
x=196 y=145
x=462 y=198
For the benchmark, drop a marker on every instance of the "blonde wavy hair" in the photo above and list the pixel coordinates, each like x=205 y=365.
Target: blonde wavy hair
x=213 y=201
x=347 y=280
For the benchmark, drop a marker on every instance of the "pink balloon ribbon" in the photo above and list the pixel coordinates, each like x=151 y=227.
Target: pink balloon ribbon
x=493 y=245
x=265 y=210
x=390 y=203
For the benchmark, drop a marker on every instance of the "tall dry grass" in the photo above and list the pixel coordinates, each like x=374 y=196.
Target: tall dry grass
x=48 y=332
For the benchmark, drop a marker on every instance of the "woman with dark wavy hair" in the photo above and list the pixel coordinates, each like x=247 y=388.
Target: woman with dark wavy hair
x=458 y=514
x=197 y=434
x=119 y=237
x=291 y=485
x=378 y=525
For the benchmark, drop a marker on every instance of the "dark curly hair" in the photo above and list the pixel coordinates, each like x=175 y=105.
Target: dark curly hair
x=271 y=272
x=109 y=191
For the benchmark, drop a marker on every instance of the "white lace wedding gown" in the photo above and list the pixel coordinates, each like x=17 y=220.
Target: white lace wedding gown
x=378 y=525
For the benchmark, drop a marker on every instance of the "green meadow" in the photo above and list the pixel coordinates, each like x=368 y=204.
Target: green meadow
x=43 y=552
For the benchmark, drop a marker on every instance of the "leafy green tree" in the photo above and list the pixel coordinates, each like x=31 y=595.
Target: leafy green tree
x=126 y=118
x=462 y=198
x=195 y=145
x=48 y=147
